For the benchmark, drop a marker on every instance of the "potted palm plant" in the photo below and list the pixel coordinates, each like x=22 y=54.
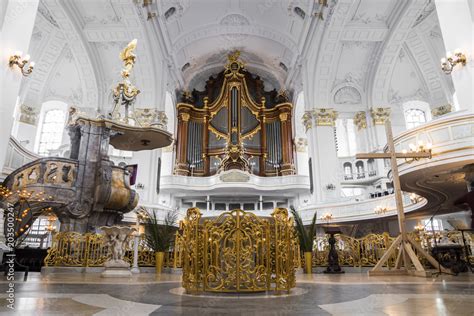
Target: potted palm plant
x=160 y=236
x=306 y=237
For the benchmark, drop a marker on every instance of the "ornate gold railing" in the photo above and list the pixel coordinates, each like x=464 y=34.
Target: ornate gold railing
x=239 y=252
x=71 y=249
x=367 y=251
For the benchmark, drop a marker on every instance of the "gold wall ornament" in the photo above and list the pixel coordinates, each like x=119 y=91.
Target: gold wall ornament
x=360 y=120
x=301 y=145
x=239 y=252
x=325 y=116
x=441 y=110
x=28 y=114
x=380 y=115
x=307 y=120
x=18 y=60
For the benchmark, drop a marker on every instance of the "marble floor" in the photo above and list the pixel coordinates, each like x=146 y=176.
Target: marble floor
x=316 y=294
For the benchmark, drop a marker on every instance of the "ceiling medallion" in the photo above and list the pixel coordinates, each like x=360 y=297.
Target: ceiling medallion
x=233 y=22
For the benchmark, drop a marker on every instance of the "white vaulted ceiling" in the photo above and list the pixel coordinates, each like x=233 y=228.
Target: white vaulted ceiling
x=362 y=53
x=200 y=34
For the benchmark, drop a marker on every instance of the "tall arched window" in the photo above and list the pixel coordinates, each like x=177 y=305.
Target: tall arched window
x=414 y=117
x=52 y=127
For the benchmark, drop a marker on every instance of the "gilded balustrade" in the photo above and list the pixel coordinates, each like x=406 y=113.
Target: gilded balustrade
x=367 y=251
x=71 y=249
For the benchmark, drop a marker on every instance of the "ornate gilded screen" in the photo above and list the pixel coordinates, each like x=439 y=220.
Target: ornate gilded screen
x=234 y=124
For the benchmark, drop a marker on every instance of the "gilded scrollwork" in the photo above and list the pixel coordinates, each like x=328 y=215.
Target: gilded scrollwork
x=239 y=251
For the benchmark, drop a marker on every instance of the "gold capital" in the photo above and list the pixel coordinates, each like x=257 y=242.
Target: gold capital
x=380 y=115
x=307 y=120
x=325 y=117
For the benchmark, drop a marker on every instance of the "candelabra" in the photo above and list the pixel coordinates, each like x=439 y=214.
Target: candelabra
x=327 y=217
x=414 y=198
x=419 y=227
x=21 y=62
x=450 y=61
x=379 y=210
x=421 y=148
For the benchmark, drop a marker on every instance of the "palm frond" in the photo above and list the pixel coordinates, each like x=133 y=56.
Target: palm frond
x=159 y=237
x=305 y=236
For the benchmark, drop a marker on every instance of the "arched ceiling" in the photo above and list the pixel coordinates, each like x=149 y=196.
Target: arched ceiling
x=354 y=55
x=199 y=35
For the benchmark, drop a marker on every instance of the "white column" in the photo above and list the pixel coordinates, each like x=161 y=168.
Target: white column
x=324 y=156
x=15 y=36
x=378 y=118
x=457 y=28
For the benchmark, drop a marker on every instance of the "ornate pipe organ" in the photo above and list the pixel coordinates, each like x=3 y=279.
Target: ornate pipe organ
x=234 y=124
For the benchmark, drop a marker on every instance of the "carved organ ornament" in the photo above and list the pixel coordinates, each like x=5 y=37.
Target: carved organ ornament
x=234 y=124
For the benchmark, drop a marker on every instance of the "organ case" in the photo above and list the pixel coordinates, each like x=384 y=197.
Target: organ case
x=234 y=124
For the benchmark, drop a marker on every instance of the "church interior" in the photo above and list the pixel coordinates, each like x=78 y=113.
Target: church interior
x=236 y=157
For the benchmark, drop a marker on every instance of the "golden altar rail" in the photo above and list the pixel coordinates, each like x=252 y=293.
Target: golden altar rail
x=367 y=251
x=239 y=252
x=71 y=249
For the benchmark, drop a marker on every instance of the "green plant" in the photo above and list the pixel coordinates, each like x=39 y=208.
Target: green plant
x=160 y=236
x=306 y=235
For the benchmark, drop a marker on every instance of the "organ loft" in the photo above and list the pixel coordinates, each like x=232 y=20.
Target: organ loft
x=234 y=124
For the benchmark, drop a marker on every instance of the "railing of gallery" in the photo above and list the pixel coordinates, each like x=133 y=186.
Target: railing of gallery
x=367 y=251
x=71 y=249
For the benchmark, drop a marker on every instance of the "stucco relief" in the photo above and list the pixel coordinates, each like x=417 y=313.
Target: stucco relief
x=347 y=95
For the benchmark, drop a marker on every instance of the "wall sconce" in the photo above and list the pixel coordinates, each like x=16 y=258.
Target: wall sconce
x=419 y=227
x=415 y=198
x=330 y=187
x=449 y=62
x=327 y=217
x=17 y=59
x=379 y=210
x=420 y=148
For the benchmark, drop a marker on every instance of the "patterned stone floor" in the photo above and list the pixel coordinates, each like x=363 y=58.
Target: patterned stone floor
x=316 y=294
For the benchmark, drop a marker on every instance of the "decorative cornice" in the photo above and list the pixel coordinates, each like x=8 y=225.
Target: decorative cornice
x=380 y=115
x=325 y=117
x=441 y=110
x=360 y=120
x=307 y=120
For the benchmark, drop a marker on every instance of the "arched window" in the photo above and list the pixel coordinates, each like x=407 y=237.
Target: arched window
x=53 y=119
x=360 y=170
x=347 y=171
x=299 y=12
x=414 y=117
x=170 y=12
